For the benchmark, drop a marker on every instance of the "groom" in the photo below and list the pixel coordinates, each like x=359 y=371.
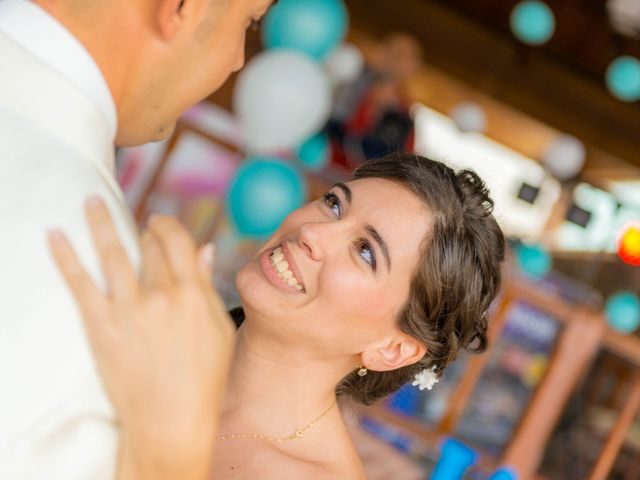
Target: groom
x=77 y=77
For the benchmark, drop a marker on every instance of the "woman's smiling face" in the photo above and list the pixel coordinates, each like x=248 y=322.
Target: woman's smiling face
x=339 y=269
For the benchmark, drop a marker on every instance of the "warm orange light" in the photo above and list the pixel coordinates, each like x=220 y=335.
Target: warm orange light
x=629 y=243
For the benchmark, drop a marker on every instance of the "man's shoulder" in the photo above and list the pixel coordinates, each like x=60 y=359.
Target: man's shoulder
x=42 y=177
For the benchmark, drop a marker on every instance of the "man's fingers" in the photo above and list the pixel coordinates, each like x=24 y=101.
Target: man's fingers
x=178 y=247
x=120 y=275
x=88 y=296
x=155 y=272
x=206 y=255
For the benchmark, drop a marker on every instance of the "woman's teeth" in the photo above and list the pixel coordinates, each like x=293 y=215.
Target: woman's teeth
x=282 y=267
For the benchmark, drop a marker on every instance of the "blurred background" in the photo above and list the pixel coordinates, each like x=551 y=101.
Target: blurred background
x=542 y=99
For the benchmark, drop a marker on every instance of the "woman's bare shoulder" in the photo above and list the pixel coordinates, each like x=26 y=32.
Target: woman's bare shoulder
x=329 y=456
x=353 y=471
x=290 y=468
x=335 y=458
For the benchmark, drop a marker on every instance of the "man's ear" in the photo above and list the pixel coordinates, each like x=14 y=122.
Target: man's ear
x=401 y=351
x=169 y=16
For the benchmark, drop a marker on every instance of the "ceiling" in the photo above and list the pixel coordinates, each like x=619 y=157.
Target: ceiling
x=560 y=83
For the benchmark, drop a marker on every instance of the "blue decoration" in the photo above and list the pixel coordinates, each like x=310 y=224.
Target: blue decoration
x=623 y=312
x=623 y=78
x=389 y=434
x=503 y=474
x=456 y=457
x=532 y=22
x=263 y=193
x=314 y=152
x=314 y=27
x=533 y=260
x=407 y=400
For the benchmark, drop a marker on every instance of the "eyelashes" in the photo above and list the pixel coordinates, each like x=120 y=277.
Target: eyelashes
x=366 y=252
x=332 y=201
x=362 y=245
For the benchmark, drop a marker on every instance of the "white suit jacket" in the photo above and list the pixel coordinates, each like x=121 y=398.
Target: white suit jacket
x=55 y=150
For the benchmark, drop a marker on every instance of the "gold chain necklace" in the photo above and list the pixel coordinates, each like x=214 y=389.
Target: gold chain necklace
x=299 y=433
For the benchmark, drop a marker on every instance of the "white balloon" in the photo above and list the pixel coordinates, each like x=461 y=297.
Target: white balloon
x=345 y=64
x=565 y=157
x=469 y=117
x=281 y=98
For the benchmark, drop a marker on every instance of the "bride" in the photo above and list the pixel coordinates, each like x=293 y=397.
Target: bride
x=382 y=280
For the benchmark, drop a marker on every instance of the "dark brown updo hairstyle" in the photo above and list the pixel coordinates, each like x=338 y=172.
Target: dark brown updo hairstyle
x=458 y=274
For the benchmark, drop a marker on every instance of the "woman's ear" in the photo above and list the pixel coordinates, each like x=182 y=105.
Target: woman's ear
x=402 y=351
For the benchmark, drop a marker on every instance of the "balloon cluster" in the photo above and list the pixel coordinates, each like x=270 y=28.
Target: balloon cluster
x=622 y=311
x=533 y=260
x=282 y=100
x=532 y=22
x=629 y=243
x=469 y=117
x=623 y=78
x=264 y=191
x=565 y=157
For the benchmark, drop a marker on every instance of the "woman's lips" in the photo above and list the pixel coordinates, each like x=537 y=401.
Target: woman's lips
x=270 y=272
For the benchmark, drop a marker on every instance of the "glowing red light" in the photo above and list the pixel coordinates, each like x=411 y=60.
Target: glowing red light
x=629 y=243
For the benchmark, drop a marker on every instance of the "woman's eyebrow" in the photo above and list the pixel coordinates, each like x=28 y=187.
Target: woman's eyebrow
x=345 y=189
x=383 y=245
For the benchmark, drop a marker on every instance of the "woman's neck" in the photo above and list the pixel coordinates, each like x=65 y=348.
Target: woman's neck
x=275 y=390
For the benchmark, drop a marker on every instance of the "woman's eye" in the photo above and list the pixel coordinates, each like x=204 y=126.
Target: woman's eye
x=333 y=203
x=366 y=252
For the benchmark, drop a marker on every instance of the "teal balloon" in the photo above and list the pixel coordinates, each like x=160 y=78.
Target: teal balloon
x=623 y=78
x=532 y=22
x=533 y=260
x=314 y=152
x=263 y=192
x=314 y=27
x=623 y=312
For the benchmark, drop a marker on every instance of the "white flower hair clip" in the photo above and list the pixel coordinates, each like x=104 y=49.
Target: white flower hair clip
x=426 y=378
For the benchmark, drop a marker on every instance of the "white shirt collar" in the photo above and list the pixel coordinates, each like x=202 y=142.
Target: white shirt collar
x=44 y=37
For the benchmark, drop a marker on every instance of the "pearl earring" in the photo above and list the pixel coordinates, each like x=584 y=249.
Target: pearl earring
x=362 y=372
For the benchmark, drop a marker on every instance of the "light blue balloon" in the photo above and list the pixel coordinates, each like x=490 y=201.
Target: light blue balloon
x=623 y=78
x=533 y=260
x=263 y=193
x=623 y=311
x=314 y=27
x=532 y=22
x=314 y=152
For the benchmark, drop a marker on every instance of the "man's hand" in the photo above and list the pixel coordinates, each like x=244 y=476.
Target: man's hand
x=162 y=342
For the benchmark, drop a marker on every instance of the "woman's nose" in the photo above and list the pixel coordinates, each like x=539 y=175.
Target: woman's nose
x=312 y=239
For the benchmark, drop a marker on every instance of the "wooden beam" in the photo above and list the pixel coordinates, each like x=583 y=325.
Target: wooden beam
x=577 y=345
x=618 y=433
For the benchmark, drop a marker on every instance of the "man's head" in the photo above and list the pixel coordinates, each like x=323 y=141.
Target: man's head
x=159 y=57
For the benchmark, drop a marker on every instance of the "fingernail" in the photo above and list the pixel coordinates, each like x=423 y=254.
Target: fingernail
x=94 y=201
x=208 y=252
x=55 y=236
